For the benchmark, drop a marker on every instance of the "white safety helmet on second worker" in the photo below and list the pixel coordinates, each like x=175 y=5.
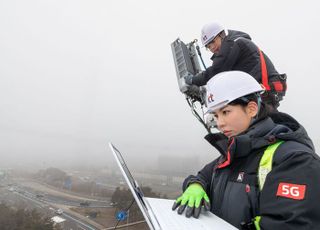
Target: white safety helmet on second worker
x=228 y=86
x=209 y=32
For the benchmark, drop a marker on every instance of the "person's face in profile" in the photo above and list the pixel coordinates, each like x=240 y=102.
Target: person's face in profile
x=234 y=119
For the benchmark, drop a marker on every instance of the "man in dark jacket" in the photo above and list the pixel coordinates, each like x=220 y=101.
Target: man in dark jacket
x=251 y=185
x=234 y=50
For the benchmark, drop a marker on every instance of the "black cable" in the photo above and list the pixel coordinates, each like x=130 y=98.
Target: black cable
x=196 y=114
x=200 y=56
x=115 y=227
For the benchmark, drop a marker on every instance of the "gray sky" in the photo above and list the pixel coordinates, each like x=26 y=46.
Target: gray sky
x=76 y=74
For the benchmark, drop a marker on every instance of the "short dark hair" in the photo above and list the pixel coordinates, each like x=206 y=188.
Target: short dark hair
x=264 y=110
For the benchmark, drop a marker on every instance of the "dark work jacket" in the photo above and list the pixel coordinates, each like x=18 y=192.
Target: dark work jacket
x=237 y=52
x=231 y=181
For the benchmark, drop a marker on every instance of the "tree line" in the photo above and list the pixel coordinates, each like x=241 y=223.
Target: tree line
x=23 y=219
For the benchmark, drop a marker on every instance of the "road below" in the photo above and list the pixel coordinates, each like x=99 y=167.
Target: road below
x=48 y=200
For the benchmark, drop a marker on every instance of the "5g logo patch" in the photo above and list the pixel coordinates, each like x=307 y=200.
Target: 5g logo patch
x=292 y=191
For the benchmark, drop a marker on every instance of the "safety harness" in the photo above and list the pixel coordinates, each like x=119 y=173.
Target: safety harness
x=265 y=166
x=277 y=89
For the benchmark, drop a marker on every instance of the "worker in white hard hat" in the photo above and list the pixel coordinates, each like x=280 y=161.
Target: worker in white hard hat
x=268 y=174
x=234 y=50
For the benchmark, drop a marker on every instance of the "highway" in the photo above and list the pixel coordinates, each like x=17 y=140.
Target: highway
x=48 y=204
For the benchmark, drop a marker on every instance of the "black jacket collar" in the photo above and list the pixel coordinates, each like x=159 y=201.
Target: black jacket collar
x=278 y=126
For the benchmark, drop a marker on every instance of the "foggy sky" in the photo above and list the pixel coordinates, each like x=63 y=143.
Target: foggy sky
x=77 y=74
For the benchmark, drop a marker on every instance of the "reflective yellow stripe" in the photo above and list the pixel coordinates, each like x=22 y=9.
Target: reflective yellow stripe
x=257 y=222
x=265 y=165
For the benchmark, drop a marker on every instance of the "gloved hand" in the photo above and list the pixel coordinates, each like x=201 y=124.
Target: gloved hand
x=193 y=197
x=188 y=79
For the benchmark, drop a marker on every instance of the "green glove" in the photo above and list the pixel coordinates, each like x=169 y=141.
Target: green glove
x=193 y=197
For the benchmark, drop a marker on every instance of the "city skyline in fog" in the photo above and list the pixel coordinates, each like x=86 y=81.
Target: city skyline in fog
x=75 y=75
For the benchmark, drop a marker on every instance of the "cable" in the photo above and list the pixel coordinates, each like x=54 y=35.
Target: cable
x=196 y=114
x=200 y=56
x=115 y=227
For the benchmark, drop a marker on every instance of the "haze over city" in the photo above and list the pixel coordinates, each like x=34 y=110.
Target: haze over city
x=75 y=75
x=78 y=74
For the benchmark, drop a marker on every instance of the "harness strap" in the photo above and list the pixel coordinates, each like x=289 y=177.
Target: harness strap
x=265 y=165
x=264 y=72
x=257 y=222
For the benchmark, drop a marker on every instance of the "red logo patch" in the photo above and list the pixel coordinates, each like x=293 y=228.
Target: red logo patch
x=292 y=191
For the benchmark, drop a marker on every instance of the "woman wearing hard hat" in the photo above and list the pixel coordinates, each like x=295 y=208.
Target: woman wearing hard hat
x=234 y=50
x=268 y=174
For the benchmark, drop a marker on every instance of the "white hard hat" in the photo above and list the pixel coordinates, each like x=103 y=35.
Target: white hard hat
x=228 y=86
x=209 y=32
